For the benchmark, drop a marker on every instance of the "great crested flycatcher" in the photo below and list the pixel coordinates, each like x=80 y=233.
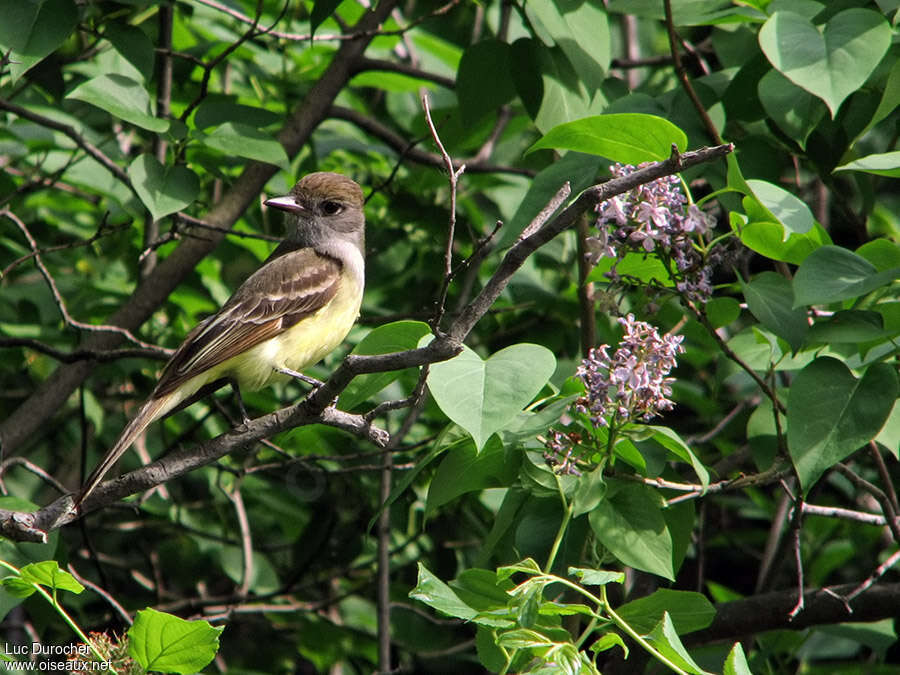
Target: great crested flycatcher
x=286 y=316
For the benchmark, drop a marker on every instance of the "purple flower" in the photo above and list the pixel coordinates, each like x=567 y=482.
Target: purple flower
x=653 y=218
x=633 y=383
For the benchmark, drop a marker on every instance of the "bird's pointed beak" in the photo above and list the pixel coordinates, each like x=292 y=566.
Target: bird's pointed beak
x=286 y=203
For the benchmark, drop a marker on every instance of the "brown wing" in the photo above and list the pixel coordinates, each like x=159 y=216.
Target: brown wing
x=283 y=291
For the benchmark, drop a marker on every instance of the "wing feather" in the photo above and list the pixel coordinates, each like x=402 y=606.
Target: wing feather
x=284 y=291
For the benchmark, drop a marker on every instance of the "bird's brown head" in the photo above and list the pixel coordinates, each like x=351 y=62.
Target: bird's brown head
x=323 y=205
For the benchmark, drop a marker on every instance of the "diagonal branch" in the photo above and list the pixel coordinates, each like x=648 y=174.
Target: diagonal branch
x=317 y=408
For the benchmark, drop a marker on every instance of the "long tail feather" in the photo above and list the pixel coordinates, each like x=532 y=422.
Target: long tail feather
x=150 y=411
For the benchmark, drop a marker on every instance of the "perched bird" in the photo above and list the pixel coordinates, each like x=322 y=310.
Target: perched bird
x=296 y=308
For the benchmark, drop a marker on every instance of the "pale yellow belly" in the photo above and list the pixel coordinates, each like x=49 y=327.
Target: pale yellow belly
x=299 y=347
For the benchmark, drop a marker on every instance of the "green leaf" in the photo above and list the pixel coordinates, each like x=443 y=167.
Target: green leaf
x=830 y=64
x=47 y=573
x=831 y=274
x=831 y=413
x=629 y=138
x=592 y=577
x=523 y=638
x=547 y=84
x=722 y=311
x=581 y=30
x=438 y=595
x=234 y=138
x=665 y=638
x=163 y=189
x=689 y=611
x=213 y=112
x=851 y=326
x=483 y=82
x=882 y=253
x=770 y=298
x=736 y=662
x=673 y=443
x=773 y=201
x=464 y=469
x=169 y=644
x=794 y=110
x=133 y=44
x=575 y=167
x=321 y=10
x=889 y=436
x=484 y=396
x=640 y=266
x=481 y=589
x=590 y=491
x=528 y=566
x=17 y=587
x=608 y=641
x=884 y=164
x=392 y=337
x=122 y=97
x=767 y=239
x=630 y=524
x=32 y=30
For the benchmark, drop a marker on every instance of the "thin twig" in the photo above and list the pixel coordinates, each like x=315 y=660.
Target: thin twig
x=886 y=507
x=875 y=576
x=121 y=611
x=796 y=524
x=681 y=72
x=307 y=37
x=453 y=177
x=79 y=140
x=57 y=296
x=102 y=230
x=407 y=148
x=236 y=498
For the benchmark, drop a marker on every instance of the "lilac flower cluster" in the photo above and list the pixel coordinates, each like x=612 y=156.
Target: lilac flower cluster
x=654 y=217
x=631 y=385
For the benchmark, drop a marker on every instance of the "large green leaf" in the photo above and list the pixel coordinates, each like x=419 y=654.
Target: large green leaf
x=665 y=638
x=163 y=189
x=630 y=524
x=794 y=110
x=549 y=87
x=688 y=610
x=392 y=337
x=884 y=164
x=122 y=97
x=831 y=413
x=629 y=138
x=483 y=396
x=831 y=274
x=233 y=138
x=830 y=64
x=770 y=298
x=32 y=30
x=770 y=202
x=169 y=644
x=767 y=238
x=483 y=82
x=438 y=595
x=463 y=469
x=581 y=30
x=577 y=168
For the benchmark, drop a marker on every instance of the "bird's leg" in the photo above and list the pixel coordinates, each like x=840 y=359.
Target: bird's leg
x=235 y=387
x=300 y=376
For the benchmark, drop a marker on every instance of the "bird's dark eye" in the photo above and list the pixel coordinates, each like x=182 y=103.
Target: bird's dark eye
x=330 y=208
